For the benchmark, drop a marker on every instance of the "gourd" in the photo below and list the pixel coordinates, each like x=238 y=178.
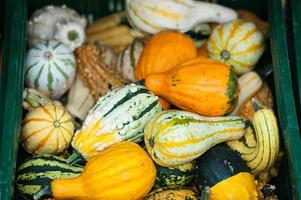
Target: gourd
x=164 y=51
x=249 y=83
x=226 y=174
x=202 y=52
x=47 y=129
x=179 y=175
x=176 y=137
x=36 y=173
x=153 y=16
x=260 y=146
x=128 y=59
x=119 y=115
x=60 y=23
x=174 y=193
x=239 y=44
x=33 y=99
x=50 y=68
x=204 y=86
x=110 y=175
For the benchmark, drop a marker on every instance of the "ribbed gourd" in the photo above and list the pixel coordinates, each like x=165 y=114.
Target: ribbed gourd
x=50 y=68
x=201 y=85
x=119 y=115
x=176 y=137
x=239 y=44
x=47 y=129
x=36 y=173
x=122 y=171
x=175 y=176
x=260 y=145
x=172 y=193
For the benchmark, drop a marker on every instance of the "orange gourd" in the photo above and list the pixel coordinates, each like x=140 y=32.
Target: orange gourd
x=122 y=171
x=202 y=52
x=200 y=85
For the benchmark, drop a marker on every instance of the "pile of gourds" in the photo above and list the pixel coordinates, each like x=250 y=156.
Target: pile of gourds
x=144 y=113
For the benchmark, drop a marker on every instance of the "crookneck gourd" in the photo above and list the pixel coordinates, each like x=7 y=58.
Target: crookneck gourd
x=99 y=77
x=110 y=175
x=201 y=85
x=260 y=145
x=176 y=137
x=119 y=115
x=227 y=175
x=239 y=44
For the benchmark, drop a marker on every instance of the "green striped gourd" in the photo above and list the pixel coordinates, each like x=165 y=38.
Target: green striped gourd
x=119 y=115
x=239 y=44
x=50 y=68
x=176 y=137
x=47 y=129
x=172 y=193
x=36 y=173
x=128 y=59
x=153 y=16
x=260 y=145
x=179 y=175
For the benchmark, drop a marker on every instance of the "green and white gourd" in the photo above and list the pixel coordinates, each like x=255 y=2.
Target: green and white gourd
x=119 y=115
x=36 y=173
x=50 y=68
x=128 y=59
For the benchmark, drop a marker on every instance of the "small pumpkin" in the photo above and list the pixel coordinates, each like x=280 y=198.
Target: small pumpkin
x=47 y=129
x=172 y=193
x=201 y=85
x=239 y=44
x=128 y=178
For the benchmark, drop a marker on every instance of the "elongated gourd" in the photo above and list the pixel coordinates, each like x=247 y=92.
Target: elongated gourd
x=176 y=137
x=119 y=115
x=123 y=171
x=260 y=145
x=201 y=85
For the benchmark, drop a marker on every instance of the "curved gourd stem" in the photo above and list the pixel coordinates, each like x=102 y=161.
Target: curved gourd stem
x=260 y=145
x=46 y=191
x=75 y=157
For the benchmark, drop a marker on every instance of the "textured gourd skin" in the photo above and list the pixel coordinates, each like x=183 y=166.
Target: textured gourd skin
x=200 y=85
x=110 y=175
x=239 y=44
x=47 y=129
x=176 y=137
x=174 y=193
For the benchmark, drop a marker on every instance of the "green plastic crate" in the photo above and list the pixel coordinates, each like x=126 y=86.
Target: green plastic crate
x=12 y=82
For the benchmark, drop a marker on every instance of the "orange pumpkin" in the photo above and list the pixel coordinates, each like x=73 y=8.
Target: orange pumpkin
x=202 y=52
x=122 y=171
x=200 y=85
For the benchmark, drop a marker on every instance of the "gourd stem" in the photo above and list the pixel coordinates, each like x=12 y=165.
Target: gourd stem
x=256 y=105
x=141 y=82
x=205 y=194
x=45 y=191
x=74 y=158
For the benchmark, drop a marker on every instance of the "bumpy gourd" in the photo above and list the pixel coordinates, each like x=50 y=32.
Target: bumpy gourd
x=153 y=16
x=174 y=193
x=47 y=129
x=239 y=44
x=50 y=68
x=110 y=175
x=119 y=115
x=176 y=137
x=204 y=86
x=62 y=23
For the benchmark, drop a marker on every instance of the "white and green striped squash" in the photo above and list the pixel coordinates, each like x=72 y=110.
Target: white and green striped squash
x=119 y=115
x=238 y=44
x=128 y=59
x=176 y=137
x=36 y=173
x=259 y=147
x=175 y=176
x=50 y=68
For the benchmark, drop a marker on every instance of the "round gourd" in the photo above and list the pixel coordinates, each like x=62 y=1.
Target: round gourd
x=179 y=175
x=172 y=193
x=50 y=68
x=239 y=44
x=122 y=171
x=47 y=129
x=128 y=59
